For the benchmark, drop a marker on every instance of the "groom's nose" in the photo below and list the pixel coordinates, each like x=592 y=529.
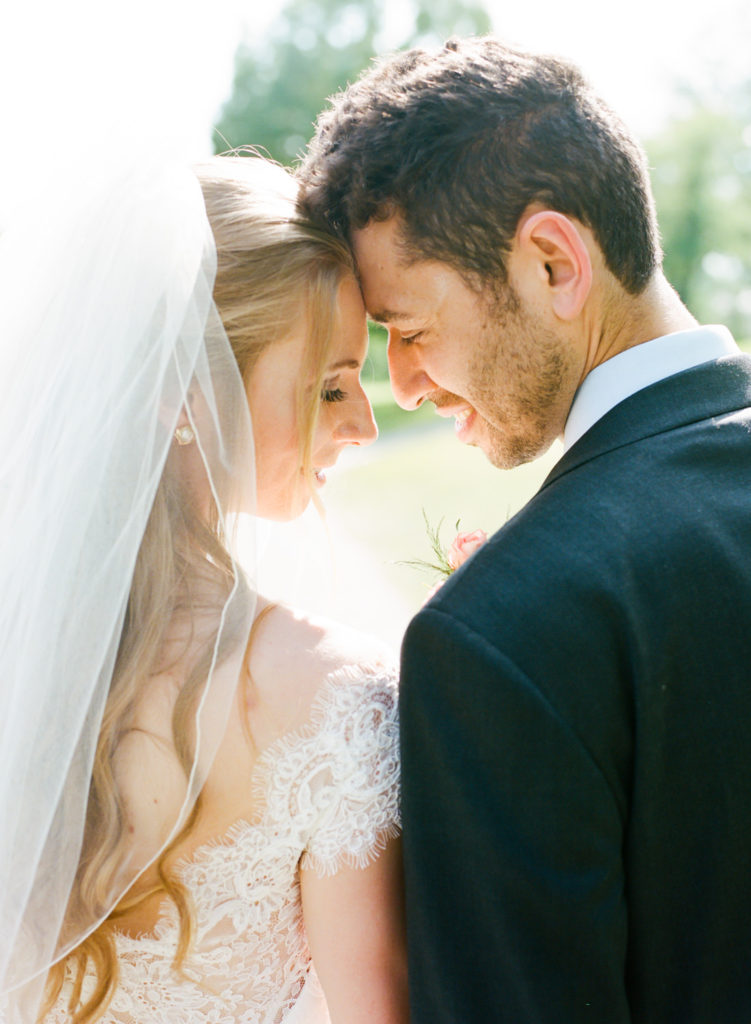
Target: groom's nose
x=409 y=380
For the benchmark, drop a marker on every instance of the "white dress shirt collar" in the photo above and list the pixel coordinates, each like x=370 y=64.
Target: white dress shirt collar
x=638 y=367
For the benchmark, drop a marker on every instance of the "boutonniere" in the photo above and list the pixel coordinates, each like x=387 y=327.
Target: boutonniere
x=446 y=560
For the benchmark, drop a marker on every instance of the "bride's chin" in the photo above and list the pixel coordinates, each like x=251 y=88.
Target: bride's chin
x=284 y=512
x=287 y=502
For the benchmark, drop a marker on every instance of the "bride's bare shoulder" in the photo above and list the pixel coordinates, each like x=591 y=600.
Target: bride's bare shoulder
x=292 y=654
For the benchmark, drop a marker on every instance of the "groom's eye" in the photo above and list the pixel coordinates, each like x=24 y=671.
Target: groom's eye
x=407 y=339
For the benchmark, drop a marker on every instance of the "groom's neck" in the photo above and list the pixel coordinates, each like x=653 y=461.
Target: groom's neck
x=630 y=320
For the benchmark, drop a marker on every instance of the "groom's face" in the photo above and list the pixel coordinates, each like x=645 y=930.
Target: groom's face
x=497 y=367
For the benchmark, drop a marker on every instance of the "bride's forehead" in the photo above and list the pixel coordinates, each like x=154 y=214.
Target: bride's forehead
x=284 y=357
x=350 y=321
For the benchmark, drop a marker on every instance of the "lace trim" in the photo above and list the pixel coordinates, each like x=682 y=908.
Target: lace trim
x=365 y=769
x=262 y=777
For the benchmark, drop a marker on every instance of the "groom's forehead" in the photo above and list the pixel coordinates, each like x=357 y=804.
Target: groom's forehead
x=380 y=267
x=380 y=242
x=396 y=287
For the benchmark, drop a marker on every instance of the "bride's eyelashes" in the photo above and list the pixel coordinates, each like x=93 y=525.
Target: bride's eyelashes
x=333 y=394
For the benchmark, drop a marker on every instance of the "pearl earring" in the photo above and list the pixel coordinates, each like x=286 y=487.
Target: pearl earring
x=184 y=435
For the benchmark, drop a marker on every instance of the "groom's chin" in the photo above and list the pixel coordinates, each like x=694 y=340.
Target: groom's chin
x=507 y=451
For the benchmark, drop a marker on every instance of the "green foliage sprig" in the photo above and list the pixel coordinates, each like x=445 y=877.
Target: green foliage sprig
x=440 y=565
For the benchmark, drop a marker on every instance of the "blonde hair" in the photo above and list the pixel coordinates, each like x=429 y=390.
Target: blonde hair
x=292 y=269
x=272 y=269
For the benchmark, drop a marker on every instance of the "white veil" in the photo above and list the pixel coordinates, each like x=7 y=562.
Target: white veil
x=108 y=335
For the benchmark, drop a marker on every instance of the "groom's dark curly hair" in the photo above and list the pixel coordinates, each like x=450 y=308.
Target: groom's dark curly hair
x=460 y=142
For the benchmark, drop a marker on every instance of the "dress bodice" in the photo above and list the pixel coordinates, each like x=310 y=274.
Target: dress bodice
x=329 y=797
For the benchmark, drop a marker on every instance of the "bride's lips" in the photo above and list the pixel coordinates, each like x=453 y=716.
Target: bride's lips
x=319 y=475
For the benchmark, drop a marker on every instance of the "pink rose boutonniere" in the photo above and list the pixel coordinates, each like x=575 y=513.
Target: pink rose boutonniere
x=464 y=545
x=448 y=560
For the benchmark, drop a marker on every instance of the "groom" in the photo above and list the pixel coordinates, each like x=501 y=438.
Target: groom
x=576 y=701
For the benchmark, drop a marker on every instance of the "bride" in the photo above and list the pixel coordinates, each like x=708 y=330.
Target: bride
x=199 y=790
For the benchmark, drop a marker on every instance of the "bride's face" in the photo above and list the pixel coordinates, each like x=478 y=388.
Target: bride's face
x=345 y=416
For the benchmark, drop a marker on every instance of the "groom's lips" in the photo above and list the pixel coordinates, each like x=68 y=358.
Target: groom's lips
x=463 y=425
x=464 y=418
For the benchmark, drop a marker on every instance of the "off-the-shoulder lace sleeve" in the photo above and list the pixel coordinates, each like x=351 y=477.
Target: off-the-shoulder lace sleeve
x=338 y=778
x=353 y=781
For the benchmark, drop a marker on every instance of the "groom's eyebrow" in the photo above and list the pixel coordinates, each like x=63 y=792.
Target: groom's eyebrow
x=388 y=316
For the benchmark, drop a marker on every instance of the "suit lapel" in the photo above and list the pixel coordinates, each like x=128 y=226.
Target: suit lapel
x=710 y=389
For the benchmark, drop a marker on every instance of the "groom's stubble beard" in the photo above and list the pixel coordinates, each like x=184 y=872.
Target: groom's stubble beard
x=518 y=375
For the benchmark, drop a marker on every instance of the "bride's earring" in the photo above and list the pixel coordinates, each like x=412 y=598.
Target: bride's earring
x=184 y=435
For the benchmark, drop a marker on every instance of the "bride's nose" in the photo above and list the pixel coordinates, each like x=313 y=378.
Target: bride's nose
x=357 y=424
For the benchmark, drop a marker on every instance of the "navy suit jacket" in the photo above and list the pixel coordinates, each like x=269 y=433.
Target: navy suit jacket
x=576 y=735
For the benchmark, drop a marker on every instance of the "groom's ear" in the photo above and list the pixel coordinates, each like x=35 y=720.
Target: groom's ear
x=552 y=249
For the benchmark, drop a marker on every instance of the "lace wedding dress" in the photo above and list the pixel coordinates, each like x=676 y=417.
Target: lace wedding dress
x=330 y=798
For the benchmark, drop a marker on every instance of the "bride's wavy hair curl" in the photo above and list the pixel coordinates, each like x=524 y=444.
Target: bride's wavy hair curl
x=272 y=268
